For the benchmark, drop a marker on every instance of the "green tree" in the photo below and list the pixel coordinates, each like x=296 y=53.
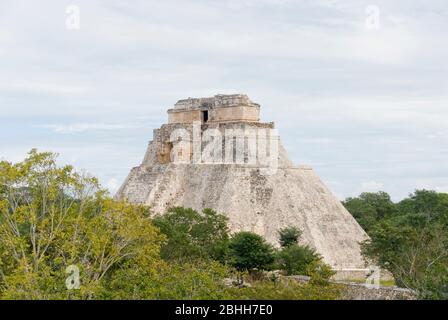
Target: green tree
x=417 y=257
x=249 y=251
x=295 y=259
x=370 y=208
x=289 y=236
x=193 y=235
x=425 y=204
x=413 y=244
x=53 y=217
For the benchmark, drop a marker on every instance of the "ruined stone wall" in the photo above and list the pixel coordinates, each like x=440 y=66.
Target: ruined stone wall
x=234 y=114
x=184 y=116
x=354 y=291
x=219 y=100
x=220 y=114
x=166 y=147
x=361 y=291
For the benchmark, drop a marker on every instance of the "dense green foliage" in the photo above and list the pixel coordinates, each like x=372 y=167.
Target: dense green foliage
x=192 y=235
x=369 y=208
x=197 y=280
x=249 y=251
x=286 y=290
x=289 y=236
x=295 y=259
x=54 y=220
x=409 y=238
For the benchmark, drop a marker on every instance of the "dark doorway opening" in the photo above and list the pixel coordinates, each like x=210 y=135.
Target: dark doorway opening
x=205 y=116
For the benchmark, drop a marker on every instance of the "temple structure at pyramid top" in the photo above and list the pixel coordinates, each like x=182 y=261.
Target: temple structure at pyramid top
x=225 y=171
x=220 y=108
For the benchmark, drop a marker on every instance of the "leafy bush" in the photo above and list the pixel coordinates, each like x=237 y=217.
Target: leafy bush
x=320 y=273
x=295 y=259
x=285 y=290
x=249 y=251
x=193 y=235
x=197 y=280
x=289 y=236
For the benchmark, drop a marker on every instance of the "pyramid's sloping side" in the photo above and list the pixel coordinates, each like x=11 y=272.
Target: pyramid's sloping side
x=263 y=204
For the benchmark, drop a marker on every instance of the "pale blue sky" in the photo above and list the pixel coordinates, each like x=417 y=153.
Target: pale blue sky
x=367 y=108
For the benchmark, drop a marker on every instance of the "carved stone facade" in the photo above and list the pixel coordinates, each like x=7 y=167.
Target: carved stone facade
x=220 y=108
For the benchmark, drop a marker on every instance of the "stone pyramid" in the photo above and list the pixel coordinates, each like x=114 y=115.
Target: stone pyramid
x=215 y=153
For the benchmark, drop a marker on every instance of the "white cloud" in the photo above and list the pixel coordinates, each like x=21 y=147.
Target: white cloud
x=371 y=186
x=46 y=88
x=239 y=4
x=84 y=127
x=443 y=189
x=113 y=184
x=345 y=99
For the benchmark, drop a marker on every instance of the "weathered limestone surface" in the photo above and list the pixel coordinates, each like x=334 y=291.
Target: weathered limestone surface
x=361 y=291
x=353 y=291
x=292 y=196
x=220 y=108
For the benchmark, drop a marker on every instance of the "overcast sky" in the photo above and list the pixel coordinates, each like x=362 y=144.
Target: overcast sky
x=365 y=104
